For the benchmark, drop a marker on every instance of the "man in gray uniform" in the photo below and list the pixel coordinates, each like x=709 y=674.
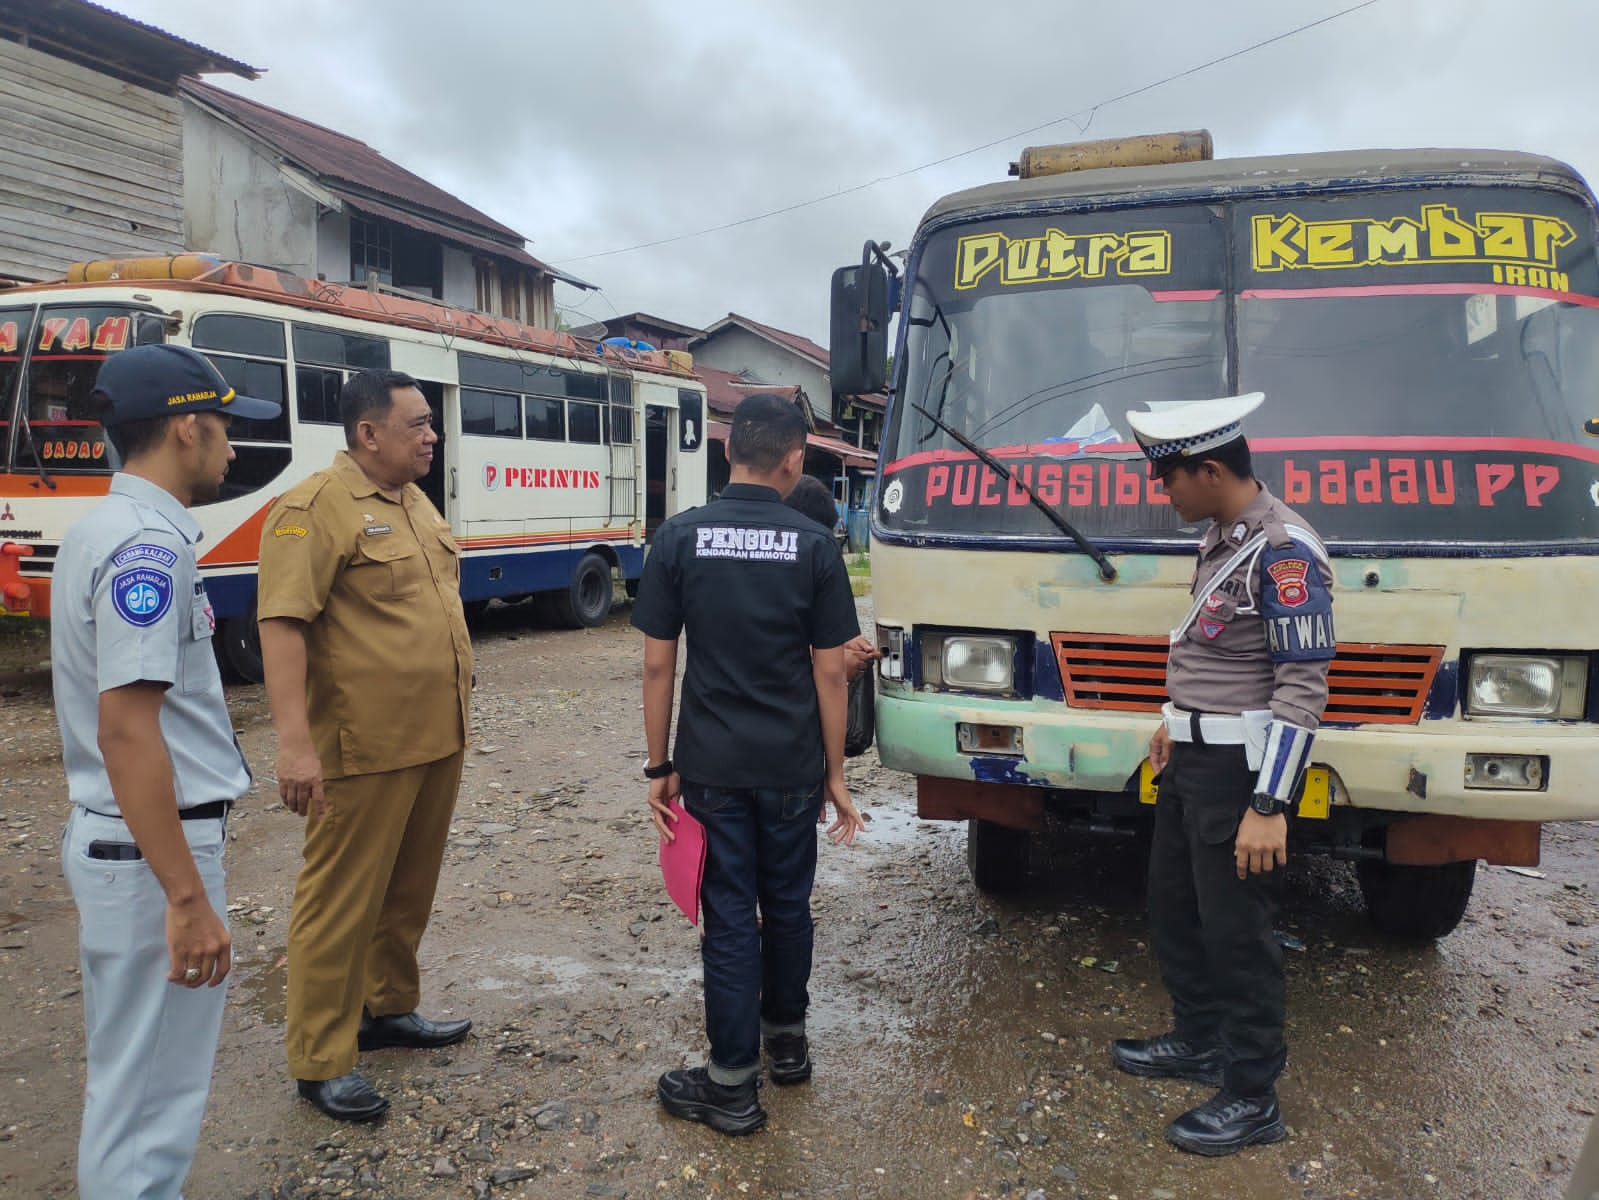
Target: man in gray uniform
x=1247 y=677
x=152 y=768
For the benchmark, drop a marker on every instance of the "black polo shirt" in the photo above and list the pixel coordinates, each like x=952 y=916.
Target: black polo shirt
x=756 y=585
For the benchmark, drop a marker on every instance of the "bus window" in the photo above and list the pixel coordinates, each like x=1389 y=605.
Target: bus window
x=546 y=418
x=316 y=394
x=16 y=327
x=233 y=334
x=336 y=348
x=621 y=425
x=261 y=448
x=68 y=346
x=584 y=420
x=490 y=414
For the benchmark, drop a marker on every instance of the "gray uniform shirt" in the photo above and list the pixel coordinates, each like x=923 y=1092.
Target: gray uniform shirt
x=1264 y=637
x=127 y=604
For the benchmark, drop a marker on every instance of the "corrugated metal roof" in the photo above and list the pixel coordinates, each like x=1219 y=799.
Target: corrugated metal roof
x=334 y=156
x=803 y=346
x=96 y=36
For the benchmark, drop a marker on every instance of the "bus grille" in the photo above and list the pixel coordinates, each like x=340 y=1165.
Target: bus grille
x=1368 y=683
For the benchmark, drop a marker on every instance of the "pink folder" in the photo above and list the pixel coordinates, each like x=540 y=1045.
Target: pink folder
x=683 y=863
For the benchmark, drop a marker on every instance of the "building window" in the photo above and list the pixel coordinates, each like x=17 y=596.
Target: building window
x=371 y=250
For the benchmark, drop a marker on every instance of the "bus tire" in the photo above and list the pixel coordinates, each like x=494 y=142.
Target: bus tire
x=586 y=602
x=241 y=646
x=1416 y=904
x=997 y=856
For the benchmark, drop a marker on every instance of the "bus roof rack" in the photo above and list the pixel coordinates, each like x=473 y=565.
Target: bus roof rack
x=1143 y=150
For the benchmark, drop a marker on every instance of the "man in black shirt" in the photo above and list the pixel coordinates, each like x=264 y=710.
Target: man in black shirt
x=764 y=598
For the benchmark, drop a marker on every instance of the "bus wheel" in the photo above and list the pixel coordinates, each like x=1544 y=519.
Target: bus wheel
x=586 y=602
x=997 y=856
x=241 y=646
x=1416 y=903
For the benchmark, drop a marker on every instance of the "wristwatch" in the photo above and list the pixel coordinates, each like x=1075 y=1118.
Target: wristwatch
x=660 y=772
x=1266 y=806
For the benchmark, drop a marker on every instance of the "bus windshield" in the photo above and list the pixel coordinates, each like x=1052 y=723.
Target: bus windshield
x=48 y=364
x=1430 y=379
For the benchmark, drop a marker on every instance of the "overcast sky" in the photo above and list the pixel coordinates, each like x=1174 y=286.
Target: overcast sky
x=589 y=133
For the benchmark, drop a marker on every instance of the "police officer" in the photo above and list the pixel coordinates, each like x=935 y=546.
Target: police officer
x=152 y=768
x=763 y=596
x=1247 y=677
x=368 y=671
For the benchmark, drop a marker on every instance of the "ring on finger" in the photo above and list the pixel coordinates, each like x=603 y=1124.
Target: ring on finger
x=191 y=975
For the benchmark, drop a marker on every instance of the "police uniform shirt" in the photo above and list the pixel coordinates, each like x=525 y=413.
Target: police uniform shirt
x=128 y=605
x=1264 y=636
x=756 y=586
x=378 y=585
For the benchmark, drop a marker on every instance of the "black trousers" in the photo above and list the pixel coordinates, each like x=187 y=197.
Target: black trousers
x=1214 y=938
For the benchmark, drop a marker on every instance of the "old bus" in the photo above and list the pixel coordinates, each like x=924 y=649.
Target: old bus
x=1425 y=326
x=557 y=459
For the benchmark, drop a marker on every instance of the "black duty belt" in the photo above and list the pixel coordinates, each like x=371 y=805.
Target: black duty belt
x=216 y=810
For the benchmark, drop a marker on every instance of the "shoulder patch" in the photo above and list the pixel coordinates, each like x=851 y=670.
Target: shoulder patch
x=145 y=550
x=1296 y=605
x=142 y=595
x=297 y=531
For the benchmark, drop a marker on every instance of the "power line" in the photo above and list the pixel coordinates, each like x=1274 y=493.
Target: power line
x=1082 y=126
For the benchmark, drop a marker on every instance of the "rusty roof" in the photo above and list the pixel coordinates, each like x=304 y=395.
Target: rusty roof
x=803 y=346
x=94 y=36
x=334 y=156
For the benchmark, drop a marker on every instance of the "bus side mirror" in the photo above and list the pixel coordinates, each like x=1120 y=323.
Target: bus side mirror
x=859 y=327
x=149 y=331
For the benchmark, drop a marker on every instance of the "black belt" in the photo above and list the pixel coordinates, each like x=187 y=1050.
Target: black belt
x=200 y=812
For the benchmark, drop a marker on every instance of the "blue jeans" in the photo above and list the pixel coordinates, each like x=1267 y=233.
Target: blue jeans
x=760 y=849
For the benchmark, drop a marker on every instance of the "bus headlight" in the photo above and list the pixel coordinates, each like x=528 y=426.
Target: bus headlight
x=1527 y=685
x=981 y=664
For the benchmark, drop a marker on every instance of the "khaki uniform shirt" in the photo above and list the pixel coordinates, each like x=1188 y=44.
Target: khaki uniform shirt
x=378 y=583
x=1264 y=637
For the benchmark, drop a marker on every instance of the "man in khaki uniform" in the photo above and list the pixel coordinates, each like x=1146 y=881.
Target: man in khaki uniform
x=368 y=671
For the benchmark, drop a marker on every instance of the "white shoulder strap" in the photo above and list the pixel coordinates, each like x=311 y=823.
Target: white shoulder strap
x=1249 y=549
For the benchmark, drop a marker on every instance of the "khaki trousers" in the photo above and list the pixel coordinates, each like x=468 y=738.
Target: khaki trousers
x=361 y=904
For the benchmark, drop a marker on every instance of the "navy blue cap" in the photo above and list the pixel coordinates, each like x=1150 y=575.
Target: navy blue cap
x=168 y=381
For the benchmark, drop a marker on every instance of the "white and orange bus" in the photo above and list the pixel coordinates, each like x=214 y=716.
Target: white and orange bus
x=558 y=457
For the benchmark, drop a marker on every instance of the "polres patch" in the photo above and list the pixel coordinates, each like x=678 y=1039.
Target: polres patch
x=142 y=596
x=1289 y=576
x=158 y=554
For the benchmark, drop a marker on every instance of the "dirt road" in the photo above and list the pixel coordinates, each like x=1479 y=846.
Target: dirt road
x=960 y=1042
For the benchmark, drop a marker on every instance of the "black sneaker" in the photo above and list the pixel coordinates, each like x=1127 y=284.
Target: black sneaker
x=790 y=1058
x=1169 y=1057
x=1225 y=1124
x=694 y=1096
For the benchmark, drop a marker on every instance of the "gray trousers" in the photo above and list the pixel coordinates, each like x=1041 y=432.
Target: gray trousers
x=151 y=1044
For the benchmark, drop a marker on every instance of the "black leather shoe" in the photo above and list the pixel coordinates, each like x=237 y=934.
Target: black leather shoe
x=412 y=1031
x=347 y=1098
x=1169 y=1057
x=789 y=1056
x=694 y=1096
x=1225 y=1124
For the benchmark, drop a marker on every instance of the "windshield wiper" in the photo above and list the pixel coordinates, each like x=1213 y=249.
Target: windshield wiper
x=1107 y=569
x=33 y=446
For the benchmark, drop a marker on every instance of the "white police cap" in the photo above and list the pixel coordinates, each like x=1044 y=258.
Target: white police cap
x=1178 y=431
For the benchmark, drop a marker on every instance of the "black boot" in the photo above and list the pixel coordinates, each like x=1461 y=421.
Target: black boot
x=727 y=1108
x=1225 y=1124
x=347 y=1098
x=789 y=1056
x=1169 y=1057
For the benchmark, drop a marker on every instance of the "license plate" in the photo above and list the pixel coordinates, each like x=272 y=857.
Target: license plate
x=1316 y=800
